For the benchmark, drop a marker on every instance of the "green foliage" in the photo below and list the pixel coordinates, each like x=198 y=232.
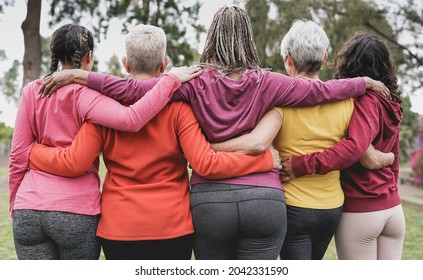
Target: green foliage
x=409 y=129
x=5 y=131
x=5 y=4
x=2 y=55
x=271 y=19
x=114 y=66
x=9 y=84
x=174 y=16
x=45 y=56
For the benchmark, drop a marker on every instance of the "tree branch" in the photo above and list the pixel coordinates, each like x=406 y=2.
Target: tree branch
x=410 y=53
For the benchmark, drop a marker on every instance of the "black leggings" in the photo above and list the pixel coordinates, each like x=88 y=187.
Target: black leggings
x=237 y=222
x=54 y=235
x=167 y=249
x=309 y=232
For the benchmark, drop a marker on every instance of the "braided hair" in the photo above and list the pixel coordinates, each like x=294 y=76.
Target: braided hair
x=367 y=55
x=69 y=44
x=230 y=43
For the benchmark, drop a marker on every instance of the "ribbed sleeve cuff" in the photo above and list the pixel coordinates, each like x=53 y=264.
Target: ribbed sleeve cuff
x=298 y=166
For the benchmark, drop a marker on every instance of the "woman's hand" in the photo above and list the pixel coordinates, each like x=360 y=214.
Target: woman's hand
x=185 y=73
x=62 y=78
x=378 y=87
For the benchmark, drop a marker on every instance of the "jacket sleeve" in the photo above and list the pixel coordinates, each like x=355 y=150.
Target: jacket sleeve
x=74 y=160
x=362 y=129
x=22 y=142
x=294 y=92
x=210 y=164
x=105 y=111
x=126 y=90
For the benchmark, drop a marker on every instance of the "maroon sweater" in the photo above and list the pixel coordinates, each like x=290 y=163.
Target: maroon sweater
x=375 y=121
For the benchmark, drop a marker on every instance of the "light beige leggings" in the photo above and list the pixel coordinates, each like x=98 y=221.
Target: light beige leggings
x=375 y=235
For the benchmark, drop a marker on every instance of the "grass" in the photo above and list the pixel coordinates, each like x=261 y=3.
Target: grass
x=3 y=170
x=7 y=248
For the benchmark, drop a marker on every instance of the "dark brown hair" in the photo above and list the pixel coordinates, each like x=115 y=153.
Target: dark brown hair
x=367 y=55
x=70 y=43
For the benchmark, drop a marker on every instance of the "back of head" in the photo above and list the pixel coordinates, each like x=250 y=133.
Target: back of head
x=230 y=42
x=367 y=55
x=70 y=43
x=145 y=48
x=307 y=43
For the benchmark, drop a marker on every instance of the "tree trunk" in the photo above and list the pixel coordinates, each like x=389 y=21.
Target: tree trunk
x=32 y=40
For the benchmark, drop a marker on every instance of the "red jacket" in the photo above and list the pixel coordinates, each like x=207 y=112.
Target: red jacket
x=375 y=121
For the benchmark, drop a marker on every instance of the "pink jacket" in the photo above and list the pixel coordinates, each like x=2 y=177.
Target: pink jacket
x=55 y=121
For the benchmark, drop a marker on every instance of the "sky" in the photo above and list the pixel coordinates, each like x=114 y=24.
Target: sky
x=114 y=44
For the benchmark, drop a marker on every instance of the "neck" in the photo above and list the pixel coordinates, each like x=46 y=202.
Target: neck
x=306 y=76
x=144 y=76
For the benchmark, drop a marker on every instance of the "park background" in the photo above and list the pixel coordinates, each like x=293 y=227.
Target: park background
x=27 y=25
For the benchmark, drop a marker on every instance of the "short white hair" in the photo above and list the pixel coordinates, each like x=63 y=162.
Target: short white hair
x=145 y=48
x=307 y=43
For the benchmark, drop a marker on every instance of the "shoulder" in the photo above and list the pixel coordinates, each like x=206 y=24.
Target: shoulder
x=83 y=91
x=367 y=99
x=179 y=107
x=32 y=87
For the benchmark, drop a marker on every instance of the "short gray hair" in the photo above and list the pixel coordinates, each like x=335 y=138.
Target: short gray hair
x=145 y=48
x=307 y=43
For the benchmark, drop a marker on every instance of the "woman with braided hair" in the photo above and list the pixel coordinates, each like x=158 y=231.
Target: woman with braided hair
x=242 y=217
x=56 y=217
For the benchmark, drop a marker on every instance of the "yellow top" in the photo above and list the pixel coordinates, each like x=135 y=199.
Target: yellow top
x=313 y=129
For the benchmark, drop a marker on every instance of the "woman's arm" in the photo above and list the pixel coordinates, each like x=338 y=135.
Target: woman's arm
x=258 y=140
x=294 y=92
x=99 y=109
x=375 y=159
x=72 y=161
x=22 y=141
x=218 y=165
x=362 y=129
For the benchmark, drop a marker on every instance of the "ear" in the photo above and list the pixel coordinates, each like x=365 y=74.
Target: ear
x=89 y=57
x=164 y=64
x=125 y=64
x=325 y=58
x=289 y=60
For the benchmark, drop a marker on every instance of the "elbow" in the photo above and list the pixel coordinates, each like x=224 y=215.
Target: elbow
x=256 y=146
x=258 y=149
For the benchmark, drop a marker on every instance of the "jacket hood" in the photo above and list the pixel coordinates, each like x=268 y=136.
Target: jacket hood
x=393 y=113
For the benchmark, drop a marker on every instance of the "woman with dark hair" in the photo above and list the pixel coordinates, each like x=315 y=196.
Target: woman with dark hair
x=242 y=217
x=56 y=217
x=372 y=225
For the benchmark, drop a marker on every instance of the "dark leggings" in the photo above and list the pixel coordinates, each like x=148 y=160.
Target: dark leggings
x=237 y=222
x=309 y=232
x=54 y=235
x=168 y=249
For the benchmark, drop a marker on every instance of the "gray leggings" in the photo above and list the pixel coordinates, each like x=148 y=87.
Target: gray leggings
x=53 y=235
x=237 y=222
